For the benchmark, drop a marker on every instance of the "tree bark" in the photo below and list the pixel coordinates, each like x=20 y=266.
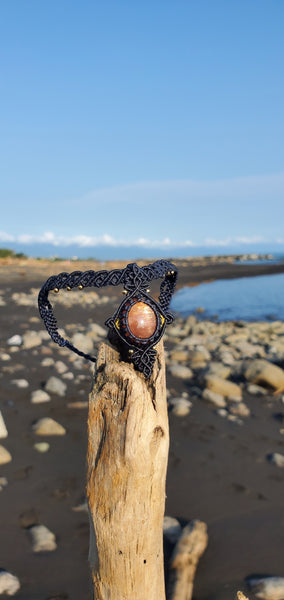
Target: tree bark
x=128 y=441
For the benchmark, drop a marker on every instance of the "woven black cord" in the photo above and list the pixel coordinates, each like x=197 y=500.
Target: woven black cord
x=131 y=277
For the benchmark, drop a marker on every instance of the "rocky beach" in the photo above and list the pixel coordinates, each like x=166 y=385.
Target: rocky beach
x=225 y=387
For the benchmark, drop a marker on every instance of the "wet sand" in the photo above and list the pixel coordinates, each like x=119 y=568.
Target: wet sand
x=217 y=470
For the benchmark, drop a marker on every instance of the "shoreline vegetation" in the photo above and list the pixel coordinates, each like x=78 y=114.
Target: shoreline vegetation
x=225 y=392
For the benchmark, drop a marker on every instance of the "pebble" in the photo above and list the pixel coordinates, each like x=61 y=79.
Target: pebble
x=217 y=368
x=180 y=406
x=42 y=447
x=83 y=342
x=181 y=371
x=171 y=529
x=54 y=385
x=31 y=339
x=5 y=456
x=222 y=412
x=47 y=362
x=9 y=584
x=60 y=367
x=3 y=428
x=239 y=409
x=68 y=375
x=224 y=387
x=15 y=340
x=277 y=459
x=47 y=426
x=78 y=404
x=267 y=588
x=20 y=383
x=256 y=390
x=39 y=396
x=97 y=330
x=3 y=483
x=4 y=356
x=263 y=372
x=43 y=540
x=214 y=398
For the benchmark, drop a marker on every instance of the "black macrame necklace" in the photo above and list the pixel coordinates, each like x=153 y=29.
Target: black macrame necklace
x=138 y=323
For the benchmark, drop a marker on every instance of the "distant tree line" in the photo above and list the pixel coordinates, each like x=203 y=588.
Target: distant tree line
x=6 y=253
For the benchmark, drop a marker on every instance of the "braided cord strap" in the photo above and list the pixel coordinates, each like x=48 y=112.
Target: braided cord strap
x=135 y=281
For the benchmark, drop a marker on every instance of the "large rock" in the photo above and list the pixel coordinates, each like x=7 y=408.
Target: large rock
x=3 y=428
x=267 y=588
x=264 y=373
x=31 y=339
x=54 y=385
x=43 y=540
x=9 y=584
x=224 y=387
x=5 y=456
x=47 y=426
x=181 y=371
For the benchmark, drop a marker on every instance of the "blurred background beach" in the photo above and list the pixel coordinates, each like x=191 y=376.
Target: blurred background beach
x=130 y=132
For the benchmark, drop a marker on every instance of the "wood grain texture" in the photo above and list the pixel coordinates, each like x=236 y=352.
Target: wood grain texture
x=186 y=554
x=128 y=440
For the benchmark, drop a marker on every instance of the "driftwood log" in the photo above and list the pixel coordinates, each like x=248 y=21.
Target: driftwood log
x=186 y=554
x=128 y=441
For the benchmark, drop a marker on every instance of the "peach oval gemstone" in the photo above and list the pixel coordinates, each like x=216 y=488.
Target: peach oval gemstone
x=142 y=320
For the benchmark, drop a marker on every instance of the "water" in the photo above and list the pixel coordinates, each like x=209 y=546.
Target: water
x=246 y=298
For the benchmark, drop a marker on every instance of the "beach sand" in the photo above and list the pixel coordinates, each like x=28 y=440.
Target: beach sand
x=217 y=470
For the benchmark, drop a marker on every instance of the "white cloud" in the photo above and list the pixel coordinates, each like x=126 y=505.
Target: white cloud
x=85 y=241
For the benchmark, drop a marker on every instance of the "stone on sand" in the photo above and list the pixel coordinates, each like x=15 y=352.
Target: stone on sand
x=20 y=383
x=3 y=428
x=256 y=390
x=47 y=362
x=15 y=340
x=267 y=588
x=181 y=371
x=214 y=398
x=217 y=368
x=31 y=339
x=39 y=396
x=180 y=407
x=277 y=459
x=3 y=483
x=83 y=342
x=47 y=426
x=5 y=456
x=263 y=372
x=42 y=447
x=9 y=584
x=54 y=385
x=43 y=540
x=226 y=388
x=171 y=529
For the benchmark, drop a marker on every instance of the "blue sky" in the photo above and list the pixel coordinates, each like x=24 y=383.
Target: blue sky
x=151 y=122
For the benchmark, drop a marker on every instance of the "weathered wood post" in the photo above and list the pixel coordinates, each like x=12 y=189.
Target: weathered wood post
x=127 y=462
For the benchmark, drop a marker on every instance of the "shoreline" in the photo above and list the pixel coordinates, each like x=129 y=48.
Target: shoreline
x=218 y=471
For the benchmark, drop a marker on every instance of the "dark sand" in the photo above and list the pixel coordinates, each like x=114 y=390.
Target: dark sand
x=217 y=470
